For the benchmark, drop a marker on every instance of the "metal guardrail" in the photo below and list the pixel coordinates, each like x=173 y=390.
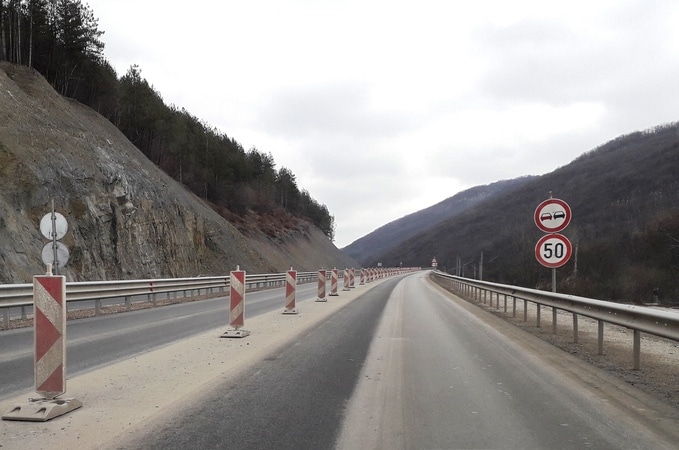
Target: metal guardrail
x=637 y=318
x=21 y=295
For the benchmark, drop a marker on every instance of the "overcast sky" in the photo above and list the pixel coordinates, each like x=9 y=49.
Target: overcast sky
x=383 y=108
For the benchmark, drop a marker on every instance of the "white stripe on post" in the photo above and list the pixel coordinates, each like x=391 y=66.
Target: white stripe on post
x=50 y=340
x=236 y=305
x=333 y=283
x=290 y=291
x=49 y=302
x=321 y=286
x=346 y=280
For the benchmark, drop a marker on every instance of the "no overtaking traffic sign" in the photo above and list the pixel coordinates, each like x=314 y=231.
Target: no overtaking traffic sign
x=552 y=215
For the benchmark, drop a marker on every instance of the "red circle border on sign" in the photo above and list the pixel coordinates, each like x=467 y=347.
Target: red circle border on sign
x=562 y=238
x=563 y=204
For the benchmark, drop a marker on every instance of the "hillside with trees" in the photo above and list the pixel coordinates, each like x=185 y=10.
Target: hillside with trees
x=61 y=40
x=625 y=201
x=388 y=237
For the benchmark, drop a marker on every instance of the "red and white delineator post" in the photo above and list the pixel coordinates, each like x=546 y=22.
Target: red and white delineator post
x=290 y=291
x=362 y=282
x=49 y=304
x=321 y=286
x=347 y=282
x=333 y=283
x=352 y=277
x=236 y=305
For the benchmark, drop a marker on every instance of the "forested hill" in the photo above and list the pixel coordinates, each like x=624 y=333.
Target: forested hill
x=625 y=201
x=61 y=40
x=390 y=236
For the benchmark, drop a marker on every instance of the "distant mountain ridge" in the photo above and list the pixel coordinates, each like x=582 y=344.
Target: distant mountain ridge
x=624 y=196
x=391 y=235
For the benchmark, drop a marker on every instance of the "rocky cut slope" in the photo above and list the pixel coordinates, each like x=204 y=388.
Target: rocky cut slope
x=127 y=219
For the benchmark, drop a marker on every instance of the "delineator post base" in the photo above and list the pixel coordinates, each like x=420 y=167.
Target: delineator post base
x=235 y=333
x=290 y=311
x=42 y=409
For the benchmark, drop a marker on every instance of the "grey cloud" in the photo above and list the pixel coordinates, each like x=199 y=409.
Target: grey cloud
x=554 y=62
x=330 y=110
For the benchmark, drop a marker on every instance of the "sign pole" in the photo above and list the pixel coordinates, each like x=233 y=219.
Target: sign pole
x=553 y=250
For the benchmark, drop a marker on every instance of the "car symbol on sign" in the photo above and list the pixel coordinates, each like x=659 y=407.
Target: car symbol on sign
x=560 y=215
x=545 y=216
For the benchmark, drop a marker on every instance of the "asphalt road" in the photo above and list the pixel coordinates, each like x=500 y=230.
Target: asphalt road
x=98 y=341
x=441 y=375
x=405 y=366
x=294 y=399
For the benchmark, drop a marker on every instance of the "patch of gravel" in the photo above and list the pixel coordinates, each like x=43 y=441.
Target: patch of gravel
x=658 y=375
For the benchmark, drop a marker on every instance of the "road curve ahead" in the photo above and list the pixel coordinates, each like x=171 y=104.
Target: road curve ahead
x=406 y=366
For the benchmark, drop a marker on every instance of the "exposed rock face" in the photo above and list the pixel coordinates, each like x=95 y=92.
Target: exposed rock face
x=127 y=219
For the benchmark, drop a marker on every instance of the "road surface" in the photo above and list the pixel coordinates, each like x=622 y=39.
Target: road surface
x=98 y=341
x=401 y=365
x=405 y=366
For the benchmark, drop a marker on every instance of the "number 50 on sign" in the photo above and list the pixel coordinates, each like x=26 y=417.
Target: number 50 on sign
x=553 y=250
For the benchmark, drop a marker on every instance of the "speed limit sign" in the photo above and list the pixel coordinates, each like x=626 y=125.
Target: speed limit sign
x=553 y=250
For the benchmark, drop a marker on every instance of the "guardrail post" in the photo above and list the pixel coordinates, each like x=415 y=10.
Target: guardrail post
x=600 y=337
x=236 y=305
x=513 y=306
x=6 y=314
x=637 y=350
x=128 y=302
x=525 y=310
x=290 y=291
x=97 y=307
x=575 y=328
x=553 y=320
x=537 y=305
